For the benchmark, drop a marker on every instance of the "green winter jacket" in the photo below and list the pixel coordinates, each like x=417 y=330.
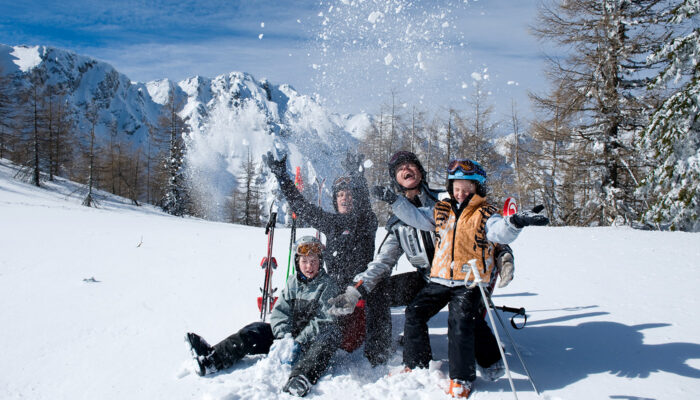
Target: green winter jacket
x=302 y=308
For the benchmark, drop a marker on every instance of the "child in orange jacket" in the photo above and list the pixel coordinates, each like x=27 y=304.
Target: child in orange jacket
x=466 y=227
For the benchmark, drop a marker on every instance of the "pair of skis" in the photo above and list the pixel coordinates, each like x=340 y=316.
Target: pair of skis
x=267 y=300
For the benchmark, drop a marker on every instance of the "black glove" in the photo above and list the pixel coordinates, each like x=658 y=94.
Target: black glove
x=384 y=193
x=353 y=164
x=278 y=167
x=527 y=218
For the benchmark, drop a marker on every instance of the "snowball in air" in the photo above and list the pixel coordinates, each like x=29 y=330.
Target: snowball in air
x=374 y=16
x=388 y=59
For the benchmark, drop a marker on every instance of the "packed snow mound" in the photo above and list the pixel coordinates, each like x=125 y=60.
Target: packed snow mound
x=610 y=309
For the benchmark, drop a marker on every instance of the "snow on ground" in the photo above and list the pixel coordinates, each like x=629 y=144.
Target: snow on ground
x=611 y=310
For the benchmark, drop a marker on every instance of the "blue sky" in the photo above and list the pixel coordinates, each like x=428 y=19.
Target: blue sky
x=353 y=53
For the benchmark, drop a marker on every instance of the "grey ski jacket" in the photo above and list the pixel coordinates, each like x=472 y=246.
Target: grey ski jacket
x=302 y=308
x=402 y=239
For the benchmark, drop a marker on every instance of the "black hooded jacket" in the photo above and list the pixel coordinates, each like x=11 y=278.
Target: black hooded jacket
x=349 y=237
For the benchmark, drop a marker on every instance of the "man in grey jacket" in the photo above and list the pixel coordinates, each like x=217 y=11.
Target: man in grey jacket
x=409 y=178
x=301 y=312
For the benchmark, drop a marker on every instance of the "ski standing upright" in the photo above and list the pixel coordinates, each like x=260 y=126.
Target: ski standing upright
x=299 y=183
x=268 y=263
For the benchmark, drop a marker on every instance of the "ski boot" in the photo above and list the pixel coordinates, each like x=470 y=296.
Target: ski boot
x=297 y=385
x=493 y=371
x=460 y=389
x=202 y=353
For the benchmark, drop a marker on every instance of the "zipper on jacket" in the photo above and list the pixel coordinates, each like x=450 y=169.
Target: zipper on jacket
x=454 y=243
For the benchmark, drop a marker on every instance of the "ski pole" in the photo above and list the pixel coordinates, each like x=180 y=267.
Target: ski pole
x=299 y=183
x=292 y=238
x=532 y=382
x=320 y=193
x=479 y=283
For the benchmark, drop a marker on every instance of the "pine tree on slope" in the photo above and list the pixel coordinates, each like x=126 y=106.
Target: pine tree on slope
x=607 y=42
x=175 y=201
x=673 y=136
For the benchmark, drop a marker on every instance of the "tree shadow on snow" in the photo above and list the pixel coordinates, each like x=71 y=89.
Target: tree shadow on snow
x=571 y=353
x=558 y=356
x=521 y=294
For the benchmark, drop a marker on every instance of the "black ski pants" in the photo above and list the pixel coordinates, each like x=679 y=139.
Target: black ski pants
x=257 y=338
x=397 y=290
x=464 y=306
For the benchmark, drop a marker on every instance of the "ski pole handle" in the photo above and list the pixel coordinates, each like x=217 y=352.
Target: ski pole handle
x=475 y=271
x=518 y=311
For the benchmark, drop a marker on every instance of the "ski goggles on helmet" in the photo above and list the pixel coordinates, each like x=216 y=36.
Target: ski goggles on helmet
x=466 y=169
x=402 y=156
x=310 y=246
x=343 y=180
x=342 y=183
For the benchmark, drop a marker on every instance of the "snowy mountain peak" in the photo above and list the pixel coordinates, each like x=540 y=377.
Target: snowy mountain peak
x=230 y=116
x=27 y=57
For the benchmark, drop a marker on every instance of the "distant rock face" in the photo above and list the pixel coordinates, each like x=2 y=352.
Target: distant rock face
x=231 y=117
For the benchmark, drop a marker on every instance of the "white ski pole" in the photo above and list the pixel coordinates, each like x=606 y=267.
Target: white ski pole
x=479 y=282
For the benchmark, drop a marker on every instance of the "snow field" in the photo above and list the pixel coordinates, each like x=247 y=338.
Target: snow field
x=611 y=310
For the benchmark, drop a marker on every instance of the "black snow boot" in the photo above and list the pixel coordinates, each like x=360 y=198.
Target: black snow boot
x=297 y=385
x=202 y=353
x=198 y=346
x=207 y=365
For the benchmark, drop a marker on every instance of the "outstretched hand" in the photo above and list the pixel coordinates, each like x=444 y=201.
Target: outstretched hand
x=527 y=218
x=384 y=193
x=353 y=163
x=278 y=167
x=345 y=303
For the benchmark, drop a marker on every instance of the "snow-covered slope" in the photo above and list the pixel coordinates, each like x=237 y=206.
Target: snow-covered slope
x=230 y=116
x=611 y=310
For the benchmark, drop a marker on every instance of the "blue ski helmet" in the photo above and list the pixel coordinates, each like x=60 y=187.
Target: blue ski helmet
x=468 y=170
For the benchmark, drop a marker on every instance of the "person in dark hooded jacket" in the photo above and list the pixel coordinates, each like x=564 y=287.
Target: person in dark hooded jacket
x=349 y=231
